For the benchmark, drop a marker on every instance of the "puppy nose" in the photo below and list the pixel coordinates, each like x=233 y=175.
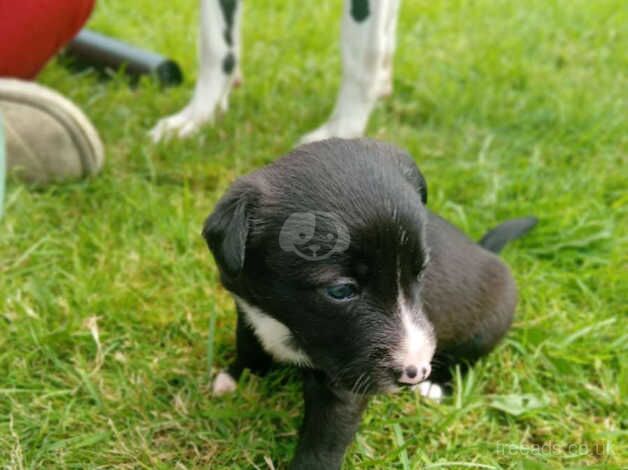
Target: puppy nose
x=412 y=374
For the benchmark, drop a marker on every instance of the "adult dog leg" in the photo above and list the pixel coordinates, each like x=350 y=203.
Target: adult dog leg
x=368 y=43
x=219 y=53
x=385 y=86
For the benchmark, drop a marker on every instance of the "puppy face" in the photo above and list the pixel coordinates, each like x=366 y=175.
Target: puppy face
x=327 y=244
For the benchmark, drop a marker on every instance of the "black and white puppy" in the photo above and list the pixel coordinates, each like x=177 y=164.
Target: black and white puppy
x=337 y=266
x=368 y=45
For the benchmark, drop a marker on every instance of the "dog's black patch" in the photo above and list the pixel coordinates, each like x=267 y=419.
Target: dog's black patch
x=360 y=10
x=228 y=63
x=228 y=8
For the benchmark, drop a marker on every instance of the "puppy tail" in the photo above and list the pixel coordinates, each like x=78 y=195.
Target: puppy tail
x=496 y=239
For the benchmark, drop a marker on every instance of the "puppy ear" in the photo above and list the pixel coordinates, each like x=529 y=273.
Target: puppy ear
x=412 y=174
x=227 y=227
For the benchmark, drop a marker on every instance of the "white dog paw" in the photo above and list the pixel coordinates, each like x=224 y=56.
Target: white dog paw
x=333 y=129
x=319 y=134
x=430 y=390
x=182 y=124
x=223 y=384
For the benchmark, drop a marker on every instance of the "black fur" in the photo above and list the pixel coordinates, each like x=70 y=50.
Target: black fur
x=495 y=239
x=360 y=10
x=228 y=63
x=228 y=8
x=461 y=295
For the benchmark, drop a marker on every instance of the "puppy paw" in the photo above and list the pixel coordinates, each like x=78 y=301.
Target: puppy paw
x=223 y=384
x=430 y=390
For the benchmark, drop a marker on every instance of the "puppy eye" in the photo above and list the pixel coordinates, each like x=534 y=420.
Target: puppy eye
x=345 y=291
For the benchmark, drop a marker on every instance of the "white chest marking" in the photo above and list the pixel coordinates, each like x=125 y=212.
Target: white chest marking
x=274 y=335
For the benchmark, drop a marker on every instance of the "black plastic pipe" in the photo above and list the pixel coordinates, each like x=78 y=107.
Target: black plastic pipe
x=103 y=52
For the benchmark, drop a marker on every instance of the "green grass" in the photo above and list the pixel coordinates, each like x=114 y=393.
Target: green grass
x=510 y=108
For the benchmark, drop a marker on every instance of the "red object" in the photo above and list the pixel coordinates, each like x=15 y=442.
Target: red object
x=32 y=31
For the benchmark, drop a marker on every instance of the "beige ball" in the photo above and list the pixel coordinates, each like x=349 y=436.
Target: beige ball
x=48 y=138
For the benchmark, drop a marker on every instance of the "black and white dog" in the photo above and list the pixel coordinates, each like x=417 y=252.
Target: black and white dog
x=368 y=45
x=337 y=266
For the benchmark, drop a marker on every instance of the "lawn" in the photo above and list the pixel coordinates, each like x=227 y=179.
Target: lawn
x=107 y=291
